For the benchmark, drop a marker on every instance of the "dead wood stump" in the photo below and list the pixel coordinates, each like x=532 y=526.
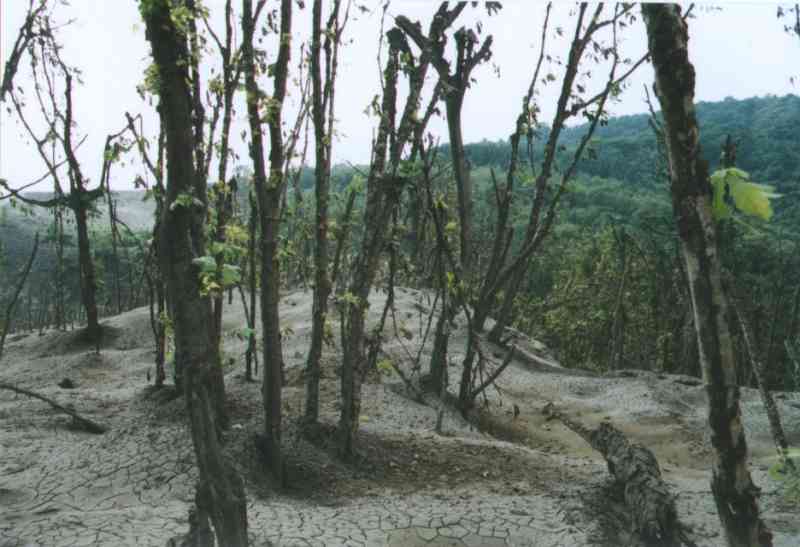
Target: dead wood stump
x=634 y=466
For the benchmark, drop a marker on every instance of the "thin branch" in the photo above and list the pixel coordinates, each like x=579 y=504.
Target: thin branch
x=84 y=423
x=495 y=374
x=24 y=37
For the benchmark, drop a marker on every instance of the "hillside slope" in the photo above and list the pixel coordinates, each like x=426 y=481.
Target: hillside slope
x=625 y=148
x=517 y=481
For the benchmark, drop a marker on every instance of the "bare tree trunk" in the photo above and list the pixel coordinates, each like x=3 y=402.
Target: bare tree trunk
x=27 y=32
x=105 y=179
x=355 y=306
x=438 y=362
x=758 y=367
x=88 y=280
x=269 y=192
x=503 y=272
x=58 y=223
x=323 y=138
x=251 y=356
x=225 y=193
x=220 y=492
x=734 y=492
x=384 y=189
x=342 y=238
x=774 y=417
x=461 y=171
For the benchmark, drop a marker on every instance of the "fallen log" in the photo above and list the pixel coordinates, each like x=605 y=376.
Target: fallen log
x=635 y=467
x=84 y=423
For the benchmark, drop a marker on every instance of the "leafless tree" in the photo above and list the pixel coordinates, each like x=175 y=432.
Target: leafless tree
x=48 y=68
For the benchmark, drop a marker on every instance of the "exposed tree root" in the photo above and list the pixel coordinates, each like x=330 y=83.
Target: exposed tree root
x=80 y=421
x=635 y=467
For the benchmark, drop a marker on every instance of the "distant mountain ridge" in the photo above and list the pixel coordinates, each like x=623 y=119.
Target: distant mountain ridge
x=766 y=129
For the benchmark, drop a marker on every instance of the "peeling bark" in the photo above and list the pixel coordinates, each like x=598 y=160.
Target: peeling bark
x=734 y=492
x=635 y=467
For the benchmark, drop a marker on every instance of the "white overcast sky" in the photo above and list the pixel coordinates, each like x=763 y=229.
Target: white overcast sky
x=739 y=51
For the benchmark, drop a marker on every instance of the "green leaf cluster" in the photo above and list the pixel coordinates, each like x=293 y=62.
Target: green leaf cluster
x=733 y=189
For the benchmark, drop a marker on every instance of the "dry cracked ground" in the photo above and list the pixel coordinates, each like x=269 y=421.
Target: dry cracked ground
x=515 y=480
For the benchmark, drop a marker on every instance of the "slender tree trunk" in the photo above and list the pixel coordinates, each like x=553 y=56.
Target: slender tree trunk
x=377 y=213
x=225 y=195
x=507 y=306
x=88 y=279
x=463 y=180
x=384 y=189
x=58 y=223
x=438 y=363
x=251 y=356
x=322 y=283
x=269 y=192
x=112 y=220
x=79 y=202
x=220 y=492
x=759 y=367
x=774 y=417
x=733 y=489
x=342 y=238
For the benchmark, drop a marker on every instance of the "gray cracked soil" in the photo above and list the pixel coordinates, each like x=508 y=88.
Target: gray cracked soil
x=517 y=480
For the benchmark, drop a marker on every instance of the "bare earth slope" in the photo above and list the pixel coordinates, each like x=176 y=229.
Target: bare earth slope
x=517 y=481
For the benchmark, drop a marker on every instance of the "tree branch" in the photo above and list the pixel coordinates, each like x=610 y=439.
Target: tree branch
x=84 y=423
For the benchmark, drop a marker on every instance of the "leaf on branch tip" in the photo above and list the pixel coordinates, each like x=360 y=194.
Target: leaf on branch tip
x=734 y=185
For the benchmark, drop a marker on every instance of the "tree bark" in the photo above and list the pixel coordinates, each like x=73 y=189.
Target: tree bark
x=251 y=356
x=80 y=200
x=220 y=492
x=461 y=171
x=773 y=416
x=323 y=140
x=635 y=467
x=377 y=213
x=225 y=194
x=734 y=492
x=269 y=192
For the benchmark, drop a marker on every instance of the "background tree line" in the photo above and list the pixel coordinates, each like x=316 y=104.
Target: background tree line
x=566 y=232
x=615 y=220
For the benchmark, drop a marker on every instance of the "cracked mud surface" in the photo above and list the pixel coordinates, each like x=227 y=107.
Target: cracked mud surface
x=529 y=483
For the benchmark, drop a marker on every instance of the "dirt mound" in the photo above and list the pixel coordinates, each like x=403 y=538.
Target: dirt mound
x=508 y=479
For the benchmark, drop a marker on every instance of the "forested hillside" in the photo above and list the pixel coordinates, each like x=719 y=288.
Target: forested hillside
x=616 y=223
x=448 y=343
x=625 y=149
x=620 y=188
